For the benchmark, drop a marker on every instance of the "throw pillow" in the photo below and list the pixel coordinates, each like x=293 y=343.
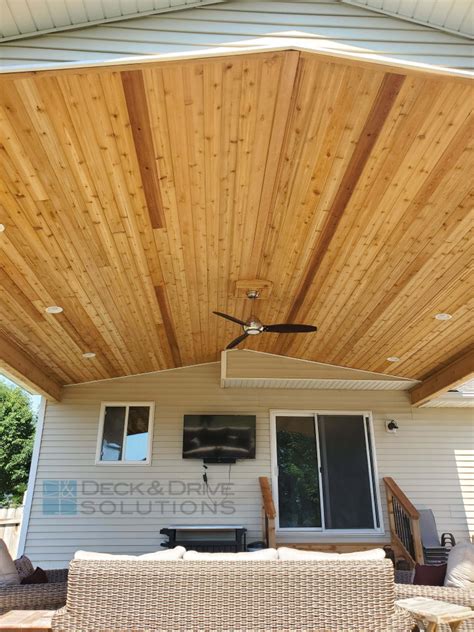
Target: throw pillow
x=8 y=573
x=38 y=576
x=460 y=571
x=262 y=555
x=24 y=566
x=429 y=575
x=165 y=555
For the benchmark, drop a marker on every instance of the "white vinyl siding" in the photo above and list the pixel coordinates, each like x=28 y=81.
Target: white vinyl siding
x=431 y=457
x=239 y=24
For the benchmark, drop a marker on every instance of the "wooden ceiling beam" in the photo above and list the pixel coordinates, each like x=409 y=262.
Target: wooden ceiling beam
x=20 y=368
x=135 y=96
x=457 y=372
x=383 y=103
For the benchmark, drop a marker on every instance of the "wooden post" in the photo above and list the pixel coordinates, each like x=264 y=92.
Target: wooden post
x=269 y=511
x=391 y=517
x=415 y=529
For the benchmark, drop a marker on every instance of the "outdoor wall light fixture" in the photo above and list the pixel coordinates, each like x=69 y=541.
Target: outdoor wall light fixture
x=391 y=426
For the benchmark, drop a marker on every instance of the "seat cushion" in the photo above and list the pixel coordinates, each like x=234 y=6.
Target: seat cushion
x=288 y=554
x=8 y=573
x=460 y=571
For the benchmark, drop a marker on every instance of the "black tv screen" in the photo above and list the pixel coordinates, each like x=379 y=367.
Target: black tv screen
x=219 y=437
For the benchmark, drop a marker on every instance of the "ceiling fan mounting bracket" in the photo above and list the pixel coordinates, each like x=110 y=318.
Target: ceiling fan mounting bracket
x=253 y=294
x=242 y=287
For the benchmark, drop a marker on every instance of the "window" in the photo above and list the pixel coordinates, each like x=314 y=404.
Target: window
x=324 y=472
x=125 y=433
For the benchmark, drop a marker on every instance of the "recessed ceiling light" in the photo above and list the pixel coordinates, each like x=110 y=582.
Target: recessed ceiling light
x=443 y=316
x=88 y=354
x=2 y=228
x=393 y=359
x=54 y=309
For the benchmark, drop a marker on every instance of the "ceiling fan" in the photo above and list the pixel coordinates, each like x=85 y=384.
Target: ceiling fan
x=253 y=327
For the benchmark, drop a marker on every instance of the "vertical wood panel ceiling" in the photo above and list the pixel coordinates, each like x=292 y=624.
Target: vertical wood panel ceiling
x=136 y=198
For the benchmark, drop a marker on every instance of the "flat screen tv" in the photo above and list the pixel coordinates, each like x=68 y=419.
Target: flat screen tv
x=219 y=438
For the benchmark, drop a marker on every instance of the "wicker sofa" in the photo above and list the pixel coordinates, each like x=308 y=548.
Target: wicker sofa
x=50 y=596
x=458 y=596
x=219 y=596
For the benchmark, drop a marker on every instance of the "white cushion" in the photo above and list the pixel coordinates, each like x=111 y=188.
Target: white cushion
x=367 y=556
x=286 y=553
x=8 y=573
x=165 y=555
x=460 y=570
x=264 y=554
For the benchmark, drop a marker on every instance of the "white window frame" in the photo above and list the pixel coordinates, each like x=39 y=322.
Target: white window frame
x=274 y=471
x=127 y=405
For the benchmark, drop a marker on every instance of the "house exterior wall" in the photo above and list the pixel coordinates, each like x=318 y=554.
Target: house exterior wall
x=240 y=24
x=431 y=457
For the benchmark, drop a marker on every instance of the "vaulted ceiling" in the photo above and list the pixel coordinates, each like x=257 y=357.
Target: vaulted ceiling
x=140 y=199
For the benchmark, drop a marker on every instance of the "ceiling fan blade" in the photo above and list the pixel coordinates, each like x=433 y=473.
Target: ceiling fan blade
x=234 y=320
x=289 y=328
x=237 y=341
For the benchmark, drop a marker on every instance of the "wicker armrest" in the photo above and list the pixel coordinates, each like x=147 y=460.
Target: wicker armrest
x=452 y=595
x=33 y=597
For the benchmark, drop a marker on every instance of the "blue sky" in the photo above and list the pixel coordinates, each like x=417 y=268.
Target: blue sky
x=35 y=399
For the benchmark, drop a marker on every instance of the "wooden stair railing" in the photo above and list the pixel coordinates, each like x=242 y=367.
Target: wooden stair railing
x=404 y=522
x=268 y=512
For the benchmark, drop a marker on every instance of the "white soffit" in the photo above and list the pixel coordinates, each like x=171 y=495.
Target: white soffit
x=460 y=397
x=254 y=369
x=454 y=16
x=25 y=18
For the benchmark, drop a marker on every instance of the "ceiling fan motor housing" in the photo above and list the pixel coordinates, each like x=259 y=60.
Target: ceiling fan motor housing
x=253 y=327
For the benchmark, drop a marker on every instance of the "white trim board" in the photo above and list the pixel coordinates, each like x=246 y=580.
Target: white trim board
x=381 y=61
x=32 y=477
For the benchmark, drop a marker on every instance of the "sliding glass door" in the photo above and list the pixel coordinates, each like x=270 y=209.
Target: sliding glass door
x=299 y=499
x=325 y=472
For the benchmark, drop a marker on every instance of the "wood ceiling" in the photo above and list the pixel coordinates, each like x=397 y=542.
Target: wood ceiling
x=138 y=198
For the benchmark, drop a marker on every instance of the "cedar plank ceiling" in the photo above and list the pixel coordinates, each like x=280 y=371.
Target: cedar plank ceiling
x=137 y=197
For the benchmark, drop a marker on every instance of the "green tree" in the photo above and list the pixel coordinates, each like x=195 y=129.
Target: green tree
x=17 y=429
